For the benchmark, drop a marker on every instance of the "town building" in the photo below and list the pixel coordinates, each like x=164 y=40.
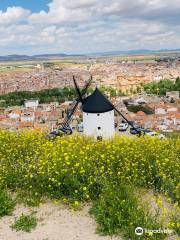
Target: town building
x=32 y=103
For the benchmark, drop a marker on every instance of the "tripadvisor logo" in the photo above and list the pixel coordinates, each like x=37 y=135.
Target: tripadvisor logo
x=139 y=231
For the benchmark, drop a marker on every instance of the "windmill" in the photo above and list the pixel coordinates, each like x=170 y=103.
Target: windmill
x=65 y=128
x=98 y=114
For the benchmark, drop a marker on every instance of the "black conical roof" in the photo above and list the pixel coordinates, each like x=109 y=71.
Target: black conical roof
x=97 y=103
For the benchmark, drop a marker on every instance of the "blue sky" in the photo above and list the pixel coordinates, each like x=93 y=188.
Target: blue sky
x=33 y=5
x=84 y=26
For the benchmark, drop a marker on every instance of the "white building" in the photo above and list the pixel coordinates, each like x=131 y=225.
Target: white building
x=173 y=94
x=32 y=103
x=160 y=110
x=98 y=116
x=158 y=78
x=172 y=109
x=13 y=115
x=141 y=101
x=28 y=117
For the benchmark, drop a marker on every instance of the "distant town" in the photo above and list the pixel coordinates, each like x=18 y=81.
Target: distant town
x=123 y=80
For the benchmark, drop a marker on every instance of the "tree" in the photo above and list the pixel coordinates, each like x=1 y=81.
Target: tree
x=161 y=87
x=144 y=108
x=138 y=89
x=177 y=84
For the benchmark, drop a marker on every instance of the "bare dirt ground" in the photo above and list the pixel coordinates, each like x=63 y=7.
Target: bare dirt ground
x=55 y=222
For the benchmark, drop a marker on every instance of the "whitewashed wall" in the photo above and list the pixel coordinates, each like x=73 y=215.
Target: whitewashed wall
x=31 y=103
x=92 y=121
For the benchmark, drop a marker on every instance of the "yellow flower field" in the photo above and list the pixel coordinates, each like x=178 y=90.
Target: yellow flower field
x=74 y=168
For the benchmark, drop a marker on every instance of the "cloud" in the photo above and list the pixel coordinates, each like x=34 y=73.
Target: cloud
x=74 y=10
x=78 y=4
x=13 y=15
x=64 y=12
x=141 y=9
x=79 y=26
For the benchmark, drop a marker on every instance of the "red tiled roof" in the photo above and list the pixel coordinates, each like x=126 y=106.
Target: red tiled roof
x=141 y=114
x=16 y=111
x=2 y=117
x=174 y=114
x=26 y=124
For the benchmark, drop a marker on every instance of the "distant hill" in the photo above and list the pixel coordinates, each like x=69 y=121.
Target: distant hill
x=36 y=57
x=96 y=54
x=13 y=57
x=134 y=52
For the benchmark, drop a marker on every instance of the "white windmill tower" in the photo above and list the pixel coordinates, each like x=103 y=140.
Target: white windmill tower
x=98 y=116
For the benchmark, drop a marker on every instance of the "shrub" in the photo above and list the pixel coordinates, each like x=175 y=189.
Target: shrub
x=78 y=168
x=118 y=210
x=163 y=86
x=144 y=108
x=75 y=166
x=7 y=204
x=25 y=223
x=28 y=198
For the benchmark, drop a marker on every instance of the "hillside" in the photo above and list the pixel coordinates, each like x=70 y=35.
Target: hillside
x=112 y=175
x=17 y=57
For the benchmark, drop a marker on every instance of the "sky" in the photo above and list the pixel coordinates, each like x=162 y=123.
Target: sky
x=33 y=5
x=88 y=26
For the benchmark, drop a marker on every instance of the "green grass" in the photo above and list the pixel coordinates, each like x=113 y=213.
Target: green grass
x=172 y=135
x=25 y=223
x=118 y=210
x=75 y=169
x=7 y=204
x=28 y=198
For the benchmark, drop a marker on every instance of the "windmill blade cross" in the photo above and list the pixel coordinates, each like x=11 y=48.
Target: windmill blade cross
x=77 y=89
x=87 y=86
x=70 y=114
x=66 y=122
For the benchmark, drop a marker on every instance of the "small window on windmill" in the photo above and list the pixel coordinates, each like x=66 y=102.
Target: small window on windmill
x=99 y=128
x=98 y=114
x=99 y=138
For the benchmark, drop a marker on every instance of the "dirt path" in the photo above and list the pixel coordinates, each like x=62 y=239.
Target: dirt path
x=55 y=222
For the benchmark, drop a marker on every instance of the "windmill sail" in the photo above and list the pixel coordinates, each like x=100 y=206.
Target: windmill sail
x=139 y=132
x=66 y=123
